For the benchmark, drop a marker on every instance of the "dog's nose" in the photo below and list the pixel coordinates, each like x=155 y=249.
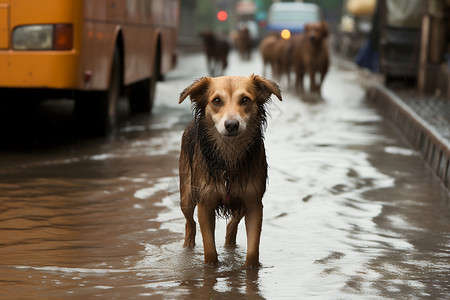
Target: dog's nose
x=231 y=125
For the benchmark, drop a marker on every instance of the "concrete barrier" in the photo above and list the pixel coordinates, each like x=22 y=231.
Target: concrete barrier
x=423 y=137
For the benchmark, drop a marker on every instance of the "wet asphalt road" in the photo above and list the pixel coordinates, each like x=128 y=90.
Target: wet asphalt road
x=350 y=210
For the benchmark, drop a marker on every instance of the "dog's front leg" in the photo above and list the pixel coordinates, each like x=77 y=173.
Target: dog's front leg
x=299 y=81
x=187 y=208
x=253 y=225
x=312 y=78
x=322 y=77
x=207 y=220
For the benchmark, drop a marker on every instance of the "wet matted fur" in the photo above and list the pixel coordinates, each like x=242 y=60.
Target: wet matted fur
x=223 y=168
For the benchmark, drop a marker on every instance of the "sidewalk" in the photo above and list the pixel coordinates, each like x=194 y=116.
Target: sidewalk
x=424 y=120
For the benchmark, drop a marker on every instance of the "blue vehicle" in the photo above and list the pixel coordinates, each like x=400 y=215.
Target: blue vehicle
x=292 y=16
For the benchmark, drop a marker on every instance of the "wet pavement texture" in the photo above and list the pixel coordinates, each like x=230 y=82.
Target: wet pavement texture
x=350 y=210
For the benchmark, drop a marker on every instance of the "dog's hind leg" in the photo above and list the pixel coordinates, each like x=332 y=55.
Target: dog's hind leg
x=213 y=68
x=210 y=66
x=207 y=220
x=188 y=207
x=224 y=63
x=232 y=228
x=299 y=81
x=253 y=225
x=314 y=88
x=322 y=77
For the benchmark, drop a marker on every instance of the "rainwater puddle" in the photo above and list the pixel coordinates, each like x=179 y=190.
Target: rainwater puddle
x=350 y=211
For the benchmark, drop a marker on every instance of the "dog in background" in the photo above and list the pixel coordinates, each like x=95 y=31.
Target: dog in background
x=223 y=166
x=243 y=42
x=266 y=47
x=282 y=59
x=310 y=55
x=216 y=49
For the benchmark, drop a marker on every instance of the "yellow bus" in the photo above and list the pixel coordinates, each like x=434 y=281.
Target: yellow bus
x=89 y=50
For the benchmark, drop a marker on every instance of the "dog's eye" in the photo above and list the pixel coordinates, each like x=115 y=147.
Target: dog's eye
x=245 y=101
x=216 y=102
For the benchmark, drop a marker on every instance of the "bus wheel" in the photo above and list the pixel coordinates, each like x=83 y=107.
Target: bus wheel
x=97 y=111
x=142 y=93
x=107 y=108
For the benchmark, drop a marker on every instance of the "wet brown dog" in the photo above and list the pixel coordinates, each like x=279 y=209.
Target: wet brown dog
x=223 y=164
x=310 y=55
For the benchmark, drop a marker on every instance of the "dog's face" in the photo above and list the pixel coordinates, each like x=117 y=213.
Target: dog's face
x=230 y=102
x=316 y=32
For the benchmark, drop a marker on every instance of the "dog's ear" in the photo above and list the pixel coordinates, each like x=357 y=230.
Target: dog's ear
x=306 y=28
x=266 y=87
x=196 y=90
x=325 y=29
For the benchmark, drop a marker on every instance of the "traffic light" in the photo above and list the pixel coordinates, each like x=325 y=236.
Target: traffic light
x=222 y=15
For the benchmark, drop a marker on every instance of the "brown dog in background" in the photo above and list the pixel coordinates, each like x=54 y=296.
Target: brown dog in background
x=310 y=55
x=223 y=164
x=216 y=49
x=243 y=42
x=282 y=60
x=266 y=48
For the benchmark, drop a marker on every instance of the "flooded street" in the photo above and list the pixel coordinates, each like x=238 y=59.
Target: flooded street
x=350 y=210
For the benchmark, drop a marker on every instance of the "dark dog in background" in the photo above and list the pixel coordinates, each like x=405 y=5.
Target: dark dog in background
x=243 y=42
x=216 y=49
x=310 y=55
x=223 y=164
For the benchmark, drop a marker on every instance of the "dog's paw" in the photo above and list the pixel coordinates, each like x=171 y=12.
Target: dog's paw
x=189 y=244
x=253 y=266
x=213 y=264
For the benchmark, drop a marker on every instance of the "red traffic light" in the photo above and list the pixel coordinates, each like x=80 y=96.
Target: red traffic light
x=222 y=15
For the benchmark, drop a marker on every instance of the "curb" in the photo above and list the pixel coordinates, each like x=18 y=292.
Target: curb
x=424 y=138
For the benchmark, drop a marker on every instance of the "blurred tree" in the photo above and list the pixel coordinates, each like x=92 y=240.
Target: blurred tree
x=205 y=15
x=187 y=30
